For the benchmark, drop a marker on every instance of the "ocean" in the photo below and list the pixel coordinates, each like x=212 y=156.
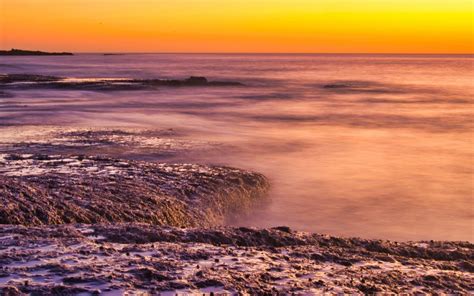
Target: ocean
x=374 y=146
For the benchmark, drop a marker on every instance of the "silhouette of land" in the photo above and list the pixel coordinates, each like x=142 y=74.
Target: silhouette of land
x=21 y=52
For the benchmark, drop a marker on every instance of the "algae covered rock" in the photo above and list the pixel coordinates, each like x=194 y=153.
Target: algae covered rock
x=41 y=190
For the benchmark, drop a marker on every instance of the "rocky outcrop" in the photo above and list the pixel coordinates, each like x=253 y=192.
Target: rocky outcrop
x=32 y=81
x=22 y=52
x=121 y=258
x=42 y=190
x=131 y=144
x=368 y=87
x=12 y=78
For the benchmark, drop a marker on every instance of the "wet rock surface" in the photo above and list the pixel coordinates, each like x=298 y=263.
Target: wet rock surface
x=361 y=87
x=132 y=144
x=120 y=258
x=33 y=81
x=42 y=189
x=82 y=212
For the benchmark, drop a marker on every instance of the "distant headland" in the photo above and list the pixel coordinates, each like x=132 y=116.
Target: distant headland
x=21 y=52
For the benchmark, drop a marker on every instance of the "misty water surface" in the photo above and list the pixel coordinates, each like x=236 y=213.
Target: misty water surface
x=378 y=146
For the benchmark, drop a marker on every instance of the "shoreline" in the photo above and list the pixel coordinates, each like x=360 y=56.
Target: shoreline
x=23 y=52
x=106 y=259
x=95 y=223
x=42 y=189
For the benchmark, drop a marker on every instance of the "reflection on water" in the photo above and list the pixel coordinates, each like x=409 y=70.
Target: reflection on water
x=371 y=146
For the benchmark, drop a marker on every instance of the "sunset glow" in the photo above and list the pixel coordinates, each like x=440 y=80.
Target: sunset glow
x=423 y=26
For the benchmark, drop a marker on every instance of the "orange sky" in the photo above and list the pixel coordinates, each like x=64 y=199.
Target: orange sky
x=394 y=26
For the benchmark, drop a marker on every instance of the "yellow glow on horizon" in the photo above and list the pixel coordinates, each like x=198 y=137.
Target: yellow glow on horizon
x=405 y=26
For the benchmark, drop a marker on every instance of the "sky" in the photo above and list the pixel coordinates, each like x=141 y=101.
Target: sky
x=293 y=26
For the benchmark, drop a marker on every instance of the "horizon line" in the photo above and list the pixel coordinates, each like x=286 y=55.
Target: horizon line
x=248 y=52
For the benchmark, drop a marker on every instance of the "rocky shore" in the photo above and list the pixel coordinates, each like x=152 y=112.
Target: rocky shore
x=33 y=81
x=84 y=212
x=43 y=190
x=113 y=259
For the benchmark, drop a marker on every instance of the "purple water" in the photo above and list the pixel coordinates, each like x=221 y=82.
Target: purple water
x=377 y=146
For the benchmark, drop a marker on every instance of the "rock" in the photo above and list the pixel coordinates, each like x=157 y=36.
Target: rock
x=194 y=80
x=10 y=291
x=11 y=78
x=336 y=85
x=169 y=263
x=40 y=190
x=209 y=283
x=283 y=228
x=8 y=81
x=149 y=274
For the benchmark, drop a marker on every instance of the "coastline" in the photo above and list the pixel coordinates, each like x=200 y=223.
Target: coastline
x=22 y=52
x=142 y=258
x=96 y=224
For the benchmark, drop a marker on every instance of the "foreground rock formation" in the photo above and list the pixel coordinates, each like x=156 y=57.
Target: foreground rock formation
x=42 y=190
x=120 y=258
x=82 y=212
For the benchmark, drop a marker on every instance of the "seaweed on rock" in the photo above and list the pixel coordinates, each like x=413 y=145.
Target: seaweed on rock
x=42 y=190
